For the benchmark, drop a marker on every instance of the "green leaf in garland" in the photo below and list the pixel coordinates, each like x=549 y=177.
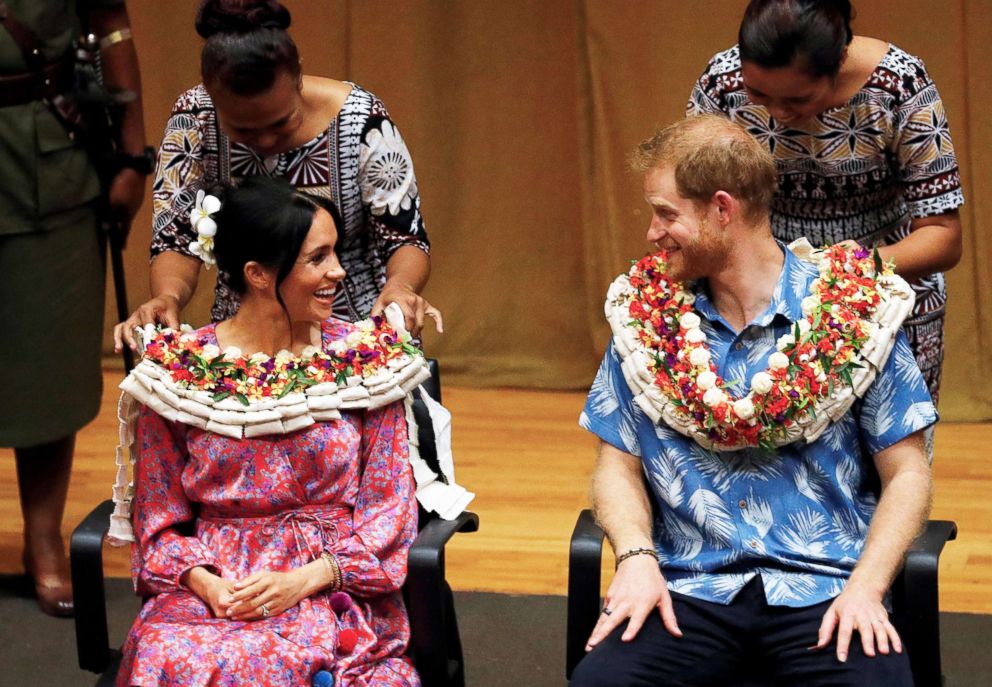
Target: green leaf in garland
x=289 y=388
x=877 y=259
x=221 y=395
x=242 y=399
x=845 y=373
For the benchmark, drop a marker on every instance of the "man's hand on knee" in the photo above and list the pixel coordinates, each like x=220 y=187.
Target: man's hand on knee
x=638 y=588
x=862 y=610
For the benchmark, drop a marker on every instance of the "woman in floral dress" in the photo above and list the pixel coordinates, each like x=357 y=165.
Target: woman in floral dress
x=860 y=137
x=257 y=114
x=265 y=560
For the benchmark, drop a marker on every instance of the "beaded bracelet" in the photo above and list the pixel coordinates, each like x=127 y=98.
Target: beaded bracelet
x=635 y=552
x=337 y=579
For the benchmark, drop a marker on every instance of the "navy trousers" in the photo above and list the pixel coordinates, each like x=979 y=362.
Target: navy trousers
x=720 y=641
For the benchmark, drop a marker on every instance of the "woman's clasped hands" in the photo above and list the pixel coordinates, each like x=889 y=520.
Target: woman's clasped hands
x=260 y=595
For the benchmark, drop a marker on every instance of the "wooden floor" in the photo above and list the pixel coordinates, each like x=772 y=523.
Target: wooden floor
x=529 y=462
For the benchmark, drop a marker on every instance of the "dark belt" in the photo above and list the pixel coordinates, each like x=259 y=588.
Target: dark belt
x=19 y=89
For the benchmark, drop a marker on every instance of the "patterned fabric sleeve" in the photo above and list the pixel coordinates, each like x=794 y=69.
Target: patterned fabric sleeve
x=897 y=403
x=610 y=412
x=928 y=167
x=707 y=94
x=389 y=187
x=161 y=554
x=373 y=559
x=178 y=175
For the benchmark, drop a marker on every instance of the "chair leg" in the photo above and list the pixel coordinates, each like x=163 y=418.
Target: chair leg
x=456 y=661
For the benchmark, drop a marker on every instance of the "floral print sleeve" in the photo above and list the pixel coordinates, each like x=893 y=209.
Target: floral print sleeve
x=187 y=153
x=389 y=187
x=373 y=559
x=928 y=166
x=161 y=554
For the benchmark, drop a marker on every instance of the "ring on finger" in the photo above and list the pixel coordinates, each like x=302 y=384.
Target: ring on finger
x=265 y=610
x=607 y=611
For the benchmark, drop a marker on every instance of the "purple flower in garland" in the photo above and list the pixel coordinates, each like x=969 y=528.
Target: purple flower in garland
x=861 y=253
x=269 y=365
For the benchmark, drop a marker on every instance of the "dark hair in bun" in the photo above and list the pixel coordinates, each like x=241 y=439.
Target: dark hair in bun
x=812 y=33
x=247 y=45
x=264 y=220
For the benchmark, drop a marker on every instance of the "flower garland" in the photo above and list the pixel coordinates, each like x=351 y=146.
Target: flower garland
x=186 y=379
x=829 y=357
x=194 y=363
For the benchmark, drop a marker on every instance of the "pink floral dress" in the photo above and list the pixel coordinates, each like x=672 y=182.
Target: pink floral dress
x=272 y=503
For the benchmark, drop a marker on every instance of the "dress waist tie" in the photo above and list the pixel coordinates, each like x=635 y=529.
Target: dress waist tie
x=324 y=518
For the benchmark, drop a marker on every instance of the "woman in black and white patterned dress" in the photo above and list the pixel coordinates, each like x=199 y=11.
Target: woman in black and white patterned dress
x=861 y=141
x=256 y=113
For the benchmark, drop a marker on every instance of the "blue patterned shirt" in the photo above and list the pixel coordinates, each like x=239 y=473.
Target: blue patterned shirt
x=798 y=517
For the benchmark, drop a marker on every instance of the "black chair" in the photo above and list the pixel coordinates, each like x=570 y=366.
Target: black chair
x=435 y=645
x=916 y=611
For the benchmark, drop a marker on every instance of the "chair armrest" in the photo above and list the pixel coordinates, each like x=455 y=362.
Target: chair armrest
x=916 y=604
x=433 y=626
x=86 y=559
x=585 y=557
x=427 y=552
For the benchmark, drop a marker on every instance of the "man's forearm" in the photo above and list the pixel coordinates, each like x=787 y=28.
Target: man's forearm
x=121 y=73
x=901 y=513
x=620 y=499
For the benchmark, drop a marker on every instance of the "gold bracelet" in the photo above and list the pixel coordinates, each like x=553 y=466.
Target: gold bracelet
x=635 y=552
x=332 y=565
x=115 y=37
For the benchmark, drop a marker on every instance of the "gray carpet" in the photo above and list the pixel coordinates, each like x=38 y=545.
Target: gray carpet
x=508 y=640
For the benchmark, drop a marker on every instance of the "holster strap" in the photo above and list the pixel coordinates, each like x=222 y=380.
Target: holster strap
x=53 y=79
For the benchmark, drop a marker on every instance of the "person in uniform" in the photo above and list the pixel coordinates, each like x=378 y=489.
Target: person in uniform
x=51 y=256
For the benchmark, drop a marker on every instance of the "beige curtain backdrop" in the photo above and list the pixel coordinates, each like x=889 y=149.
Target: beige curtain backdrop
x=519 y=115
